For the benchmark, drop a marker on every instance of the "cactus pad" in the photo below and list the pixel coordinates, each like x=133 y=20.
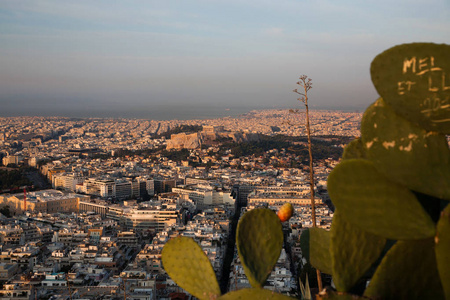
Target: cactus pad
x=415 y=80
x=259 y=240
x=408 y=271
x=442 y=241
x=255 y=293
x=353 y=251
x=368 y=200
x=304 y=244
x=354 y=149
x=405 y=153
x=319 y=243
x=187 y=264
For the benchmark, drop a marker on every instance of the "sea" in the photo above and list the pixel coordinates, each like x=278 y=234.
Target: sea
x=149 y=112
x=133 y=111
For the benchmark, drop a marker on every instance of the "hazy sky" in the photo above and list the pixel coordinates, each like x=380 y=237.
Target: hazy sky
x=65 y=54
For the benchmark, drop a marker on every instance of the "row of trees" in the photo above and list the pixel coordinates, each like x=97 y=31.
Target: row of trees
x=13 y=178
x=321 y=149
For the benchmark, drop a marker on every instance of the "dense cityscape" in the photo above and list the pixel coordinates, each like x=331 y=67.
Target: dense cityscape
x=216 y=150
x=95 y=200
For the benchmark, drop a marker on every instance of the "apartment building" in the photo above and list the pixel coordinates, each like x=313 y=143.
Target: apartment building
x=205 y=196
x=277 y=196
x=155 y=218
x=67 y=181
x=118 y=188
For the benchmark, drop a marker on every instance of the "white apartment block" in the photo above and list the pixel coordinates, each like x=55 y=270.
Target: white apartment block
x=11 y=159
x=123 y=188
x=67 y=181
x=155 y=218
x=205 y=196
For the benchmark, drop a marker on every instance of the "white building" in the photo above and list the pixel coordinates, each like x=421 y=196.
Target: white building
x=155 y=218
x=122 y=188
x=67 y=181
x=205 y=196
x=11 y=159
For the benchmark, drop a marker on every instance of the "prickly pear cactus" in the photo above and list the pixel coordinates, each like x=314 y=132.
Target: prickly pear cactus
x=354 y=149
x=304 y=244
x=392 y=189
x=408 y=271
x=315 y=245
x=254 y=293
x=414 y=80
x=442 y=247
x=319 y=246
x=358 y=250
x=362 y=195
x=187 y=264
x=259 y=242
x=259 y=239
x=406 y=153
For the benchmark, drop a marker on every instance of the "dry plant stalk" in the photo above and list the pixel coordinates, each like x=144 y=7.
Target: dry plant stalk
x=306 y=84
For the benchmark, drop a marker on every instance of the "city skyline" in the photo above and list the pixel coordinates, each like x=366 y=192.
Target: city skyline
x=202 y=58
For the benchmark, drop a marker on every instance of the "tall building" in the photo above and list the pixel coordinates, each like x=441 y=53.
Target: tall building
x=123 y=189
x=241 y=192
x=164 y=185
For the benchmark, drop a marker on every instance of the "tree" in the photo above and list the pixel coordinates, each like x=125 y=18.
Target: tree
x=306 y=84
x=6 y=211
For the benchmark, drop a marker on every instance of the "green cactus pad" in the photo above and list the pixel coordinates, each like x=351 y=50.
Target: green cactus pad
x=187 y=264
x=370 y=201
x=408 y=271
x=415 y=80
x=319 y=245
x=255 y=293
x=354 y=149
x=442 y=248
x=353 y=251
x=259 y=240
x=304 y=244
x=405 y=153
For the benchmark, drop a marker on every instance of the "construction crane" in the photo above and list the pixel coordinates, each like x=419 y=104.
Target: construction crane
x=24 y=199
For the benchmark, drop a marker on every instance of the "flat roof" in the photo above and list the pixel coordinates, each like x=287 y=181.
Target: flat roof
x=48 y=195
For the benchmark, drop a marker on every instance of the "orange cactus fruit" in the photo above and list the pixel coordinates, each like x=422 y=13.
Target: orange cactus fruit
x=285 y=212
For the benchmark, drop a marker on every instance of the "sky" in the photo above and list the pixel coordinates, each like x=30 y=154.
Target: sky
x=78 y=58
